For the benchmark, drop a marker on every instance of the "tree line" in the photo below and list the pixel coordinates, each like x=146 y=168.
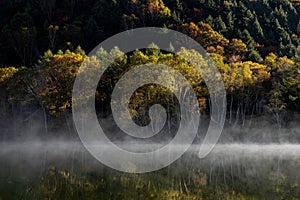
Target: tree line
x=270 y=87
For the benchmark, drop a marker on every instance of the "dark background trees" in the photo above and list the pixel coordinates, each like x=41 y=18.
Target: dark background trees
x=28 y=28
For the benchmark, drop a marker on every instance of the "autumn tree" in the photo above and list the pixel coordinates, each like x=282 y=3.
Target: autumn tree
x=245 y=89
x=204 y=34
x=283 y=85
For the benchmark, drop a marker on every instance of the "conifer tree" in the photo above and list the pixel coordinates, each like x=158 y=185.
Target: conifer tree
x=248 y=39
x=258 y=29
x=219 y=24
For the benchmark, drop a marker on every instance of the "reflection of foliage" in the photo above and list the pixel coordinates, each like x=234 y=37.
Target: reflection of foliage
x=173 y=183
x=59 y=184
x=282 y=187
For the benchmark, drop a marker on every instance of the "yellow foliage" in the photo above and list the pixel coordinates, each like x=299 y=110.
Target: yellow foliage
x=260 y=72
x=158 y=6
x=204 y=34
x=285 y=63
x=237 y=47
x=7 y=73
x=58 y=75
x=139 y=58
x=271 y=58
x=246 y=73
x=278 y=63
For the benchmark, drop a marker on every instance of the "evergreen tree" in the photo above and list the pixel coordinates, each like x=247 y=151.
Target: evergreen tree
x=219 y=24
x=298 y=27
x=230 y=21
x=248 y=39
x=210 y=20
x=297 y=56
x=283 y=36
x=178 y=13
x=258 y=29
x=254 y=56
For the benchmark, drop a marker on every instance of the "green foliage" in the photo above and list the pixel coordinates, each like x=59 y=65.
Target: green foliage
x=254 y=56
x=219 y=24
x=248 y=39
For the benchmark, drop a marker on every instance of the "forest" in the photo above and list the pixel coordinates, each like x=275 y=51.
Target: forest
x=255 y=45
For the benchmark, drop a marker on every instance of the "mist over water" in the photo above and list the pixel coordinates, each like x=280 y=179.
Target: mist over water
x=252 y=158
x=32 y=158
x=29 y=152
